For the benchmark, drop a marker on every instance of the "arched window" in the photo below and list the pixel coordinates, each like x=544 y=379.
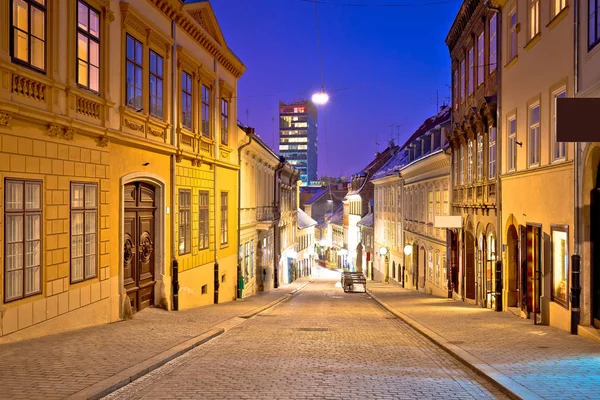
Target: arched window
x=430 y=265
x=437 y=268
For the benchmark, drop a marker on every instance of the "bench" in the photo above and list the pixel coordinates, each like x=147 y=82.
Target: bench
x=349 y=279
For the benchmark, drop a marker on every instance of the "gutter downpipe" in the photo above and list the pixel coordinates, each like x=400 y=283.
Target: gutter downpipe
x=498 y=265
x=576 y=257
x=174 y=263
x=216 y=151
x=277 y=206
x=239 y=234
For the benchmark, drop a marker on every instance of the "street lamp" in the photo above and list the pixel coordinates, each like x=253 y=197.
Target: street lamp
x=408 y=249
x=320 y=97
x=383 y=251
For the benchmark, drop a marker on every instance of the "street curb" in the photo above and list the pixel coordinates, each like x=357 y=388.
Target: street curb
x=508 y=386
x=117 y=381
x=284 y=297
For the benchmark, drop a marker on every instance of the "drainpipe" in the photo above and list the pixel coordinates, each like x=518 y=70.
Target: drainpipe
x=277 y=207
x=250 y=134
x=174 y=264
x=576 y=257
x=498 y=266
x=216 y=115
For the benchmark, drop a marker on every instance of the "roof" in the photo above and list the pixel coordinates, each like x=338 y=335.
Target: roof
x=338 y=215
x=367 y=221
x=304 y=220
x=398 y=161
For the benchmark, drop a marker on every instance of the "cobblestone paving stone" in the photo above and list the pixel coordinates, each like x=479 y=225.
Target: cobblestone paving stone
x=363 y=352
x=550 y=362
x=56 y=366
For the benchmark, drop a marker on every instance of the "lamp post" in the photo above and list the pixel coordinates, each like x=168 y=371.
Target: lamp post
x=383 y=251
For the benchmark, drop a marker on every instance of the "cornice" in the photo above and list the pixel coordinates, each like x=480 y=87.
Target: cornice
x=466 y=12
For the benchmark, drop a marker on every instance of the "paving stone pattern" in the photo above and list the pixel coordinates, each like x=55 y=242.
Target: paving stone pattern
x=56 y=366
x=323 y=343
x=550 y=362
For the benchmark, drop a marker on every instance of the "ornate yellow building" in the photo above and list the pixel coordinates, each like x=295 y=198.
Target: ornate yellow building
x=117 y=157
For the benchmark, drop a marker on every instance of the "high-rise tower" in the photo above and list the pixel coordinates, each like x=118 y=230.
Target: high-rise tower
x=298 y=137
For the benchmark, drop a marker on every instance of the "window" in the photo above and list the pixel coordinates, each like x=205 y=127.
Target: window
x=186 y=100
x=446 y=203
x=462 y=164
x=430 y=207
x=493 y=43
x=437 y=268
x=492 y=152
x=534 y=135
x=470 y=163
x=512 y=41
x=29 y=33
x=224 y=121
x=224 y=219
x=23 y=233
x=558 y=6
x=462 y=81
x=84 y=231
x=560 y=264
x=88 y=47
x=185 y=221
x=430 y=266
x=512 y=144
x=156 y=84
x=479 y=157
x=203 y=233
x=593 y=23
x=134 y=73
x=252 y=258
x=246 y=260
x=438 y=203
x=444 y=274
x=560 y=148
x=480 y=59
x=455 y=156
x=456 y=99
x=534 y=18
x=205 y=111
x=471 y=71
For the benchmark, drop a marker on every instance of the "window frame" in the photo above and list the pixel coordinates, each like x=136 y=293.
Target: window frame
x=203 y=237
x=205 y=105
x=492 y=161
x=533 y=26
x=557 y=10
x=479 y=174
x=14 y=58
x=557 y=147
x=224 y=218
x=493 y=43
x=595 y=16
x=187 y=227
x=185 y=94
x=480 y=59
x=513 y=41
x=565 y=229
x=224 y=122
x=24 y=212
x=160 y=80
x=89 y=37
x=462 y=82
x=471 y=73
x=470 y=162
x=135 y=66
x=462 y=164
x=511 y=162
x=537 y=125
x=85 y=210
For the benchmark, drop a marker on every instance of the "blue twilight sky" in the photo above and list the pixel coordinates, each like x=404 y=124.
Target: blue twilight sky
x=381 y=66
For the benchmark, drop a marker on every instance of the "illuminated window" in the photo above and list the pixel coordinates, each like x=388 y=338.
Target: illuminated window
x=471 y=72
x=534 y=135
x=560 y=148
x=480 y=59
x=560 y=264
x=430 y=266
x=470 y=163
x=558 y=6
x=156 y=84
x=134 y=73
x=430 y=207
x=84 y=229
x=456 y=97
x=446 y=203
x=224 y=218
x=224 y=121
x=534 y=18
x=493 y=42
x=437 y=268
x=492 y=152
x=203 y=231
x=479 y=157
x=438 y=203
x=186 y=100
x=88 y=47
x=462 y=165
x=512 y=42
x=512 y=144
x=22 y=239
x=462 y=81
x=29 y=33
x=185 y=221
x=593 y=23
x=205 y=111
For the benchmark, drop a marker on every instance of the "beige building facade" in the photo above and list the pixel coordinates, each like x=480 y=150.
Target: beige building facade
x=537 y=219
x=114 y=134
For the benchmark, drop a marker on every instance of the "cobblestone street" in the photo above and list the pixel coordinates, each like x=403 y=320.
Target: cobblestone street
x=322 y=343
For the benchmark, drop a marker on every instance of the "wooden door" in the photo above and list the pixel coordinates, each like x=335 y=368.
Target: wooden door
x=470 y=266
x=139 y=238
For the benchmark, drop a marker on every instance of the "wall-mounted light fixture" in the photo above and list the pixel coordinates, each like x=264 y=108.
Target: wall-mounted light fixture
x=383 y=251
x=519 y=143
x=408 y=249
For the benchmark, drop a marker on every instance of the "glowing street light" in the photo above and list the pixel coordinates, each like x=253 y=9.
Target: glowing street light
x=408 y=249
x=320 y=98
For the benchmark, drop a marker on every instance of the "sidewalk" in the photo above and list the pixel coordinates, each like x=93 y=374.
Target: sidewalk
x=529 y=361
x=88 y=361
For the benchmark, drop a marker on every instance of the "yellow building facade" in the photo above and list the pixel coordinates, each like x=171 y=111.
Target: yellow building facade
x=536 y=173
x=97 y=152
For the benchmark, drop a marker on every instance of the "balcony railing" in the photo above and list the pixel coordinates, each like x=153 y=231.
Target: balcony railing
x=266 y=213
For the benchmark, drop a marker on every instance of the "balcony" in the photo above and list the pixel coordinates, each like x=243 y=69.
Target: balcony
x=265 y=215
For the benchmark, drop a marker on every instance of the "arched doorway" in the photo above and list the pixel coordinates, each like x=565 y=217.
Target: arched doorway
x=481 y=287
x=394 y=269
x=512 y=251
x=595 y=248
x=470 y=266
